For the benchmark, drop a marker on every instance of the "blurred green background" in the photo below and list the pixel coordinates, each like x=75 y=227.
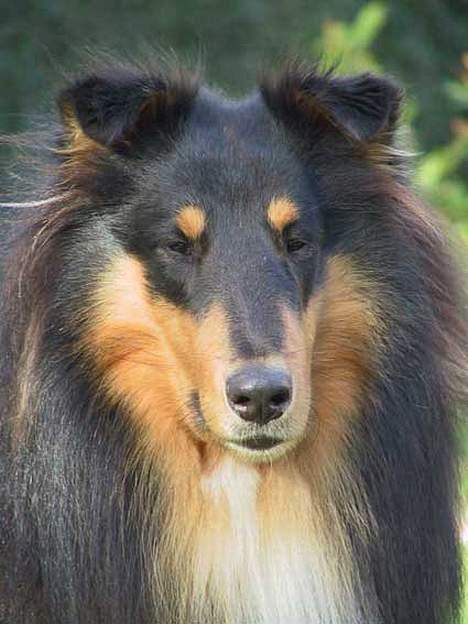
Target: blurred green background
x=423 y=43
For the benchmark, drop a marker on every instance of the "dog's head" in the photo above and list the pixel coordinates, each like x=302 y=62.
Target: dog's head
x=222 y=301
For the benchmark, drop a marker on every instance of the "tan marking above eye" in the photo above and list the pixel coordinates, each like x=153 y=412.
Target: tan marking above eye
x=191 y=221
x=282 y=212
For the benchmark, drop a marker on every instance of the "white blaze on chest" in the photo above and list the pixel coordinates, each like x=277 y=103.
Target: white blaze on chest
x=259 y=555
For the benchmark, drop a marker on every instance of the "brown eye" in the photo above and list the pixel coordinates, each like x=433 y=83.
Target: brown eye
x=183 y=248
x=294 y=244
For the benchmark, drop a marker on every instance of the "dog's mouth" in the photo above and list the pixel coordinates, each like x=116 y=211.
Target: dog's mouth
x=259 y=448
x=257 y=443
x=249 y=441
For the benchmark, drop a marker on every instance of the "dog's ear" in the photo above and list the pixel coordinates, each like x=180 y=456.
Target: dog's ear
x=116 y=106
x=364 y=107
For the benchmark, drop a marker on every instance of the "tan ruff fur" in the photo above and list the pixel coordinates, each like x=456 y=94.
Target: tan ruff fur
x=191 y=221
x=281 y=213
x=144 y=350
x=249 y=544
x=349 y=327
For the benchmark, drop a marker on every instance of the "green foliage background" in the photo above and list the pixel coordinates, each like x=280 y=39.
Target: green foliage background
x=424 y=43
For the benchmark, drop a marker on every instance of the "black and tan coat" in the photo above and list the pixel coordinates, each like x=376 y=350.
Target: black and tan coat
x=230 y=351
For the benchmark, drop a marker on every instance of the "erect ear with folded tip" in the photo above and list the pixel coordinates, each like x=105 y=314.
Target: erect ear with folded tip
x=363 y=107
x=118 y=106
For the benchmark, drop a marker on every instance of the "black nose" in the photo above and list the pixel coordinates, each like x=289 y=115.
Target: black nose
x=259 y=393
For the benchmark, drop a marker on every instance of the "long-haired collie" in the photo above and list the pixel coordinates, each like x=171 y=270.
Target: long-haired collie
x=231 y=351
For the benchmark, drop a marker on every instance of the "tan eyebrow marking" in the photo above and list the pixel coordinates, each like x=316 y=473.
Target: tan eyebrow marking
x=281 y=213
x=191 y=221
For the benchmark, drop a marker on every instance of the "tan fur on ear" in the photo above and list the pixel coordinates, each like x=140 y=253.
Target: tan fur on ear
x=79 y=150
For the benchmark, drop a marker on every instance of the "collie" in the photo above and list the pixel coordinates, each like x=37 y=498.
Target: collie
x=231 y=348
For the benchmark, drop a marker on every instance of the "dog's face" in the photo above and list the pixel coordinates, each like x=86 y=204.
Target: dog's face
x=205 y=319
x=228 y=231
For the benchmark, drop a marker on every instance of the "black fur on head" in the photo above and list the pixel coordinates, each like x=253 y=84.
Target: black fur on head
x=295 y=207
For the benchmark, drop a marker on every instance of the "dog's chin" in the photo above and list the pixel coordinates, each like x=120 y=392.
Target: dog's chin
x=259 y=449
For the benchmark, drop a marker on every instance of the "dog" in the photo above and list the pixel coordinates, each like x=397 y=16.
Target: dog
x=231 y=353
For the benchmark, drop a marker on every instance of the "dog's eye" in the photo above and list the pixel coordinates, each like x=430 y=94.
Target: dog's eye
x=183 y=248
x=294 y=244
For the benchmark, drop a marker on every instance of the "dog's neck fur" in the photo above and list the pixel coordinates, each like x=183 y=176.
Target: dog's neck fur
x=260 y=552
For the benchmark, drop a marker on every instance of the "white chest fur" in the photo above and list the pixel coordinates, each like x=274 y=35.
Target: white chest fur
x=262 y=558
